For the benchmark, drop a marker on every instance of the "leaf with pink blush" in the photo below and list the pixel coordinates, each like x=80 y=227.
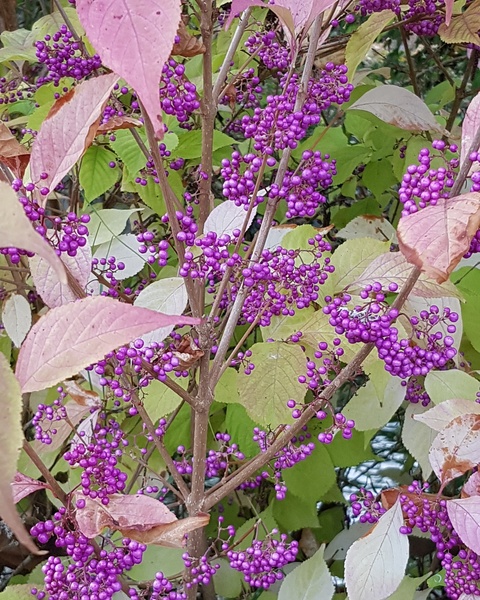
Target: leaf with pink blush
x=375 y=564
x=465 y=517
x=448 y=11
x=150 y=26
x=456 y=449
x=435 y=238
x=470 y=126
x=11 y=442
x=47 y=284
x=472 y=486
x=392 y=267
x=439 y=416
x=69 y=130
x=73 y=336
x=23 y=486
x=17 y=231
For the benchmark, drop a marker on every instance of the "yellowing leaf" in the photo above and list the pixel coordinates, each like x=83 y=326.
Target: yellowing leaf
x=362 y=39
x=464 y=27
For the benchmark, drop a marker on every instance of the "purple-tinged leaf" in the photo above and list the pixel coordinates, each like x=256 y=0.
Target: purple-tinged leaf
x=49 y=286
x=16 y=230
x=448 y=11
x=456 y=449
x=392 y=267
x=134 y=38
x=442 y=414
x=471 y=486
x=22 y=486
x=11 y=441
x=375 y=564
x=71 y=337
x=470 y=126
x=16 y=318
x=69 y=130
x=465 y=517
x=399 y=107
x=435 y=238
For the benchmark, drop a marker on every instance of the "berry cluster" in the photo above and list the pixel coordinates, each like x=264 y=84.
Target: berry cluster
x=239 y=174
x=363 y=504
x=218 y=461
x=64 y=57
x=261 y=563
x=271 y=52
x=200 y=571
x=178 y=96
x=100 y=476
x=46 y=415
x=88 y=574
x=301 y=188
x=427 y=347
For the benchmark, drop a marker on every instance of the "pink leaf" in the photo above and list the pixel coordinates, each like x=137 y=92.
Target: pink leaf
x=138 y=517
x=465 y=517
x=68 y=131
x=448 y=11
x=393 y=268
x=470 y=126
x=11 y=441
x=150 y=26
x=456 y=449
x=442 y=414
x=472 y=486
x=71 y=337
x=49 y=286
x=23 y=486
x=435 y=238
x=375 y=564
x=16 y=230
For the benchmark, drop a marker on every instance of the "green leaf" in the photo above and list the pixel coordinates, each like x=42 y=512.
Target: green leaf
x=17 y=46
x=407 y=588
x=376 y=402
x=309 y=581
x=352 y=452
x=179 y=432
x=297 y=239
x=240 y=427
x=274 y=381
x=348 y=158
x=52 y=22
x=96 y=176
x=152 y=196
x=228 y=582
x=366 y=206
x=294 y=512
x=468 y=282
x=226 y=390
x=353 y=257
x=158 y=558
x=17 y=592
x=317 y=469
x=190 y=143
x=440 y=95
x=445 y=385
x=378 y=176
x=106 y=223
x=159 y=400
x=5 y=345
x=259 y=532
x=362 y=39
x=127 y=149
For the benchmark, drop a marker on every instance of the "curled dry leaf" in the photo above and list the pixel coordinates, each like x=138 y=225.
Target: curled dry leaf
x=82 y=397
x=138 y=517
x=69 y=130
x=399 y=107
x=116 y=123
x=150 y=26
x=456 y=449
x=16 y=230
x=392 y=267
x=23 y=486
x=15 y=156
x=71 y=337
x=188 y=45
x=435 y=238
